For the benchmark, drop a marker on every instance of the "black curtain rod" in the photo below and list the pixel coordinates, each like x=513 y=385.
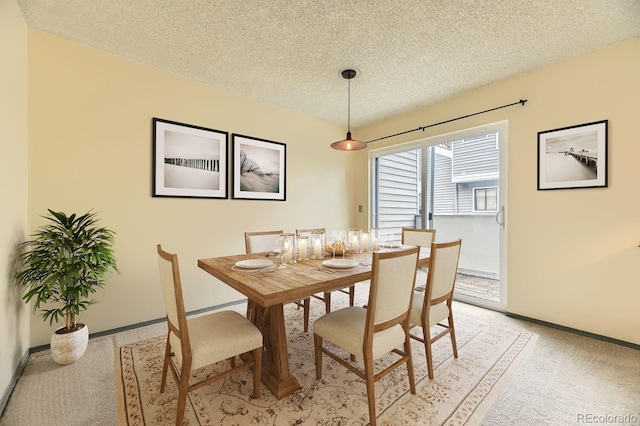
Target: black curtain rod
x=521 y=102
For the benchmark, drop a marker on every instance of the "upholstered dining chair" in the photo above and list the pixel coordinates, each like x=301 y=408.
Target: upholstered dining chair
x=326 y=296
x=418 y=237
x=433 y=307
x=380 y=328
x=422 y=238
x=265 y=241
x=204 y=340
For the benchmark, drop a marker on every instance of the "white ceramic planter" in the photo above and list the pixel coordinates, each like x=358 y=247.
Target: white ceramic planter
x=69 y=347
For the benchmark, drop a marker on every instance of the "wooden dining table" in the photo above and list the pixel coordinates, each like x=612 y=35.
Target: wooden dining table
x=269 y=290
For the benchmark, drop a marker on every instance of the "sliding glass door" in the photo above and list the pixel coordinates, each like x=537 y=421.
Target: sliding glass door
x=451 y=183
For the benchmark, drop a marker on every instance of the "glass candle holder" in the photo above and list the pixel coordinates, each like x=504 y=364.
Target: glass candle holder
x=353 y=240
x=365 y=243
x=374 y=238
x=316 y=244
x=289 y=249
x=303 y=247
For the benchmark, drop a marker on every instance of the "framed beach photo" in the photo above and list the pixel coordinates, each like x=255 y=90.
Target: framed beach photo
x=573 y=157
x=259 y=169
x=189 y=161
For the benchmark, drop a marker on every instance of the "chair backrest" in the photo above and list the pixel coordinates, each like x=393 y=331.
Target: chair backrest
x=174 y=303
x=308 y=232
x=418 y=237
x=262 y=241
x=393 y=277
x=443 y=269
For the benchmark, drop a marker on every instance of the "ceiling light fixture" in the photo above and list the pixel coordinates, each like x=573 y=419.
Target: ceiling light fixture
x=348 y=144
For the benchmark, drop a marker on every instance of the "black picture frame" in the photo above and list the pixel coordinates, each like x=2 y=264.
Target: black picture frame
x=259 y=169
x=189 y=161
x=573 y=157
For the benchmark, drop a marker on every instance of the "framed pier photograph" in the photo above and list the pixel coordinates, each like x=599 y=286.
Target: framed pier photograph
x=573 y=157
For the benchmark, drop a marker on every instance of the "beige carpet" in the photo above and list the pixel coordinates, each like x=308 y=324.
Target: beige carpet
x=460 y=393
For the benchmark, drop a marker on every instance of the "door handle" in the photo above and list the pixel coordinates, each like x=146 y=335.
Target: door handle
x=500 y=217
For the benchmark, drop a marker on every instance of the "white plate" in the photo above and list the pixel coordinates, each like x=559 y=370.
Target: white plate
x=340 y=263
x=254 y=263
x=390 y=245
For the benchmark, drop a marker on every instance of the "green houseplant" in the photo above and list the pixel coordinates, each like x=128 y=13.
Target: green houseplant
x=62 y=266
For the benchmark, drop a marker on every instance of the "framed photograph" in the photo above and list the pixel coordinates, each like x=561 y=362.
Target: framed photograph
x=259 y=169
x=573 y=157
x=189 y=161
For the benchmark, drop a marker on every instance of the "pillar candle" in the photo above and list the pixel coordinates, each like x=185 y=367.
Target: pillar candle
x=365 y=241
x=302 y=249
x=374 y=243
x=355 y=245
x=317 y=249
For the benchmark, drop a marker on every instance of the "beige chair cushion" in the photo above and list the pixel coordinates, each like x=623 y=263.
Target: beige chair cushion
x=220 y=335
x=345 y=328
x=437 y=312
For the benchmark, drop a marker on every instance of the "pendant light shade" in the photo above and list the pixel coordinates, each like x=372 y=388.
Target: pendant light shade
x=348 y=144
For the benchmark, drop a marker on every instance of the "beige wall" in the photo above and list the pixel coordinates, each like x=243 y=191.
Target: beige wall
x=573 y=255
x=14 y=315
x=90 y=148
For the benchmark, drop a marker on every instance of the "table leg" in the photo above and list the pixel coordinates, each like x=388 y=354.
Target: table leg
x=275 y=362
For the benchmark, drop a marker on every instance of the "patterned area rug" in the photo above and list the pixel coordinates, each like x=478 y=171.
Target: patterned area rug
x=486 y=352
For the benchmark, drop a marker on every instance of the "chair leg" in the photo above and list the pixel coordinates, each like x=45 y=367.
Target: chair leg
x=407 y=351
x=183 y=388
x=317 y=345
x=371 y=397
x=257 y=371
x=327 y=301
x=427 y=348
x=352 y=295
x=165 y=367
x=306 y=304
x=452 y=332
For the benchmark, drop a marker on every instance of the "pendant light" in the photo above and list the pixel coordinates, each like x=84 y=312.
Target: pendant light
x=348 y=144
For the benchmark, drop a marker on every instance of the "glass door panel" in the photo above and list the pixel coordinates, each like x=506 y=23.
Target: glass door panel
x=457 y=180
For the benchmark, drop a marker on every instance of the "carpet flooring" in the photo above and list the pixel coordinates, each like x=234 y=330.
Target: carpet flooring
x=560 y=378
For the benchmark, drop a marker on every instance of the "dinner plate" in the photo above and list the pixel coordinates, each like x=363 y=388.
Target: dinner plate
x=390 y=245
x=340 y=263
x=254 y=263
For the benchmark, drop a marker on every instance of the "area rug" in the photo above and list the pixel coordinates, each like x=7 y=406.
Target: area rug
x=487 y=351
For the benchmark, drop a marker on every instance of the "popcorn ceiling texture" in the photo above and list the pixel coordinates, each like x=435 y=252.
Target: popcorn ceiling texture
x=408 y=53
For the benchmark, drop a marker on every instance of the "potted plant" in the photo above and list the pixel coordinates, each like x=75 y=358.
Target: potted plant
x=66 y=261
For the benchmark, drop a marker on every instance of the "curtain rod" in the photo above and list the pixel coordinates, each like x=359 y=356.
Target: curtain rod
x=521 y=102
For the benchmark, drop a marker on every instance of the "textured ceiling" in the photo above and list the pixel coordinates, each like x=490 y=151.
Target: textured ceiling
x=409 y=53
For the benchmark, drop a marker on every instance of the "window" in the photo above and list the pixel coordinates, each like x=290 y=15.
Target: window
x=485 y=199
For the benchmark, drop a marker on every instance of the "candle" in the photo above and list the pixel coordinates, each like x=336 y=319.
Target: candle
x=374 y=243
x=355 y=245
x=287 y=252
x=365 y=241
x=302 y=249
x=317 y=248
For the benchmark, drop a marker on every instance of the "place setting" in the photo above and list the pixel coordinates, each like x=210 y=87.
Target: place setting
x=254 y=266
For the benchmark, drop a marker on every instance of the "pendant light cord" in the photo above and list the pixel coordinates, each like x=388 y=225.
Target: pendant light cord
x=520 y=102
x=349 y=106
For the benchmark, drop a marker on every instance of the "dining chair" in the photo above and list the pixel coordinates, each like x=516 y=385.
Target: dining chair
x=380 y=328
x=418 y=237
x=422 y=238
x=265 y=241
x=203 y=340
x=433 y=307
x=326 y=296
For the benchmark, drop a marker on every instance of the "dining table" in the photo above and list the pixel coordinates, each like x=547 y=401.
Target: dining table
x=269 y=288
